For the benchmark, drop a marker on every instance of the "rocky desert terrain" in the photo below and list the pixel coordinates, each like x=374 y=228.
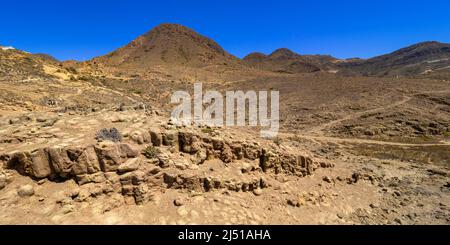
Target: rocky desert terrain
x=361 y=141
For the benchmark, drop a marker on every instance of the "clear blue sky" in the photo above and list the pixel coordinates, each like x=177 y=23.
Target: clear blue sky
x=83 y=29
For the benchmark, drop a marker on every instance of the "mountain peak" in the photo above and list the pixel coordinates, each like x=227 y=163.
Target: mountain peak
x=255 y=56
x=283 y=53
x=171 y=27
x=428 y=43
x=172 y=44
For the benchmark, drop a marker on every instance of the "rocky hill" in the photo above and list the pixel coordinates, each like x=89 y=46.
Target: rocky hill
x=418 y=59
x=169 y=44
x=281 y=60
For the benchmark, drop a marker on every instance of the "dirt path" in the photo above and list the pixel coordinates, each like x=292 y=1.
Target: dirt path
x=317 y=133
x=319 y=129
x=359 y=141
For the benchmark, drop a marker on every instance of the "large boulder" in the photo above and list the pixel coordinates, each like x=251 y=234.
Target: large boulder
x=251 y=151
x=40 y=164
x=91 y=178
x=25 y=191
x=128 y=151
x=142 y=194
x=60 y=161
x=189 y=142
x=269 y=160
x=87 y=162
x=156 y=137
x=226 y=154
x=290 y=164
x=138 y=137
x=170 y=138
x=130 y=165
x=109 y=156
x=21 y=162
x=237 y=150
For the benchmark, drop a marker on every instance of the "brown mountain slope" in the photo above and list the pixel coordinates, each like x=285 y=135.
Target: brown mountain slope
x=418 y=59
x=169 y=44
x=284 y=61
x=18 y=64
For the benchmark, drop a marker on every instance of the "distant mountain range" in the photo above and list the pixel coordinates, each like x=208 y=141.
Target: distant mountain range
x=173 y=45
x=422 y=58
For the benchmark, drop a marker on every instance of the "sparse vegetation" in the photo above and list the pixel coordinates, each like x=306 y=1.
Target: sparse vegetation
x=209 y=131
x=83 y=78
x=447 y=134
x=71 y=70
x=136 y=91
x=150 y=152
x=28 y=59
x=277 y=141
x=111 y=134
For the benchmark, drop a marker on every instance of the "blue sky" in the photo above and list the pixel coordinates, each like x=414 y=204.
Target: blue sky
x=83 y=29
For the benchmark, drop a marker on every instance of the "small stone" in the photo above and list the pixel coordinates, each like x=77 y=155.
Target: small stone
x=50 y=122
x=25 y=191
x=178 y=202
x=83 y=195
x=327 y=179
x=68 y=209
x=42 y=181
x=73 y=193
x=397 y=193
x=129 y=200
x=399 y=221
x=264 y=183
x=292 y=202
x=60 y=197
x=41 y=119
x=181 y=164
x=170 y=178
x=257 y=192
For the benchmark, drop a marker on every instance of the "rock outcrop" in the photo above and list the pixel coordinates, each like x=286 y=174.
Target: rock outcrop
x=123 y=168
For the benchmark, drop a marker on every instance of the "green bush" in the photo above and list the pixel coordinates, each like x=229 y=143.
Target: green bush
x=150 y=152
x=83 y=78
x=277 y=141
x=209 y=131
x=72 y=70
